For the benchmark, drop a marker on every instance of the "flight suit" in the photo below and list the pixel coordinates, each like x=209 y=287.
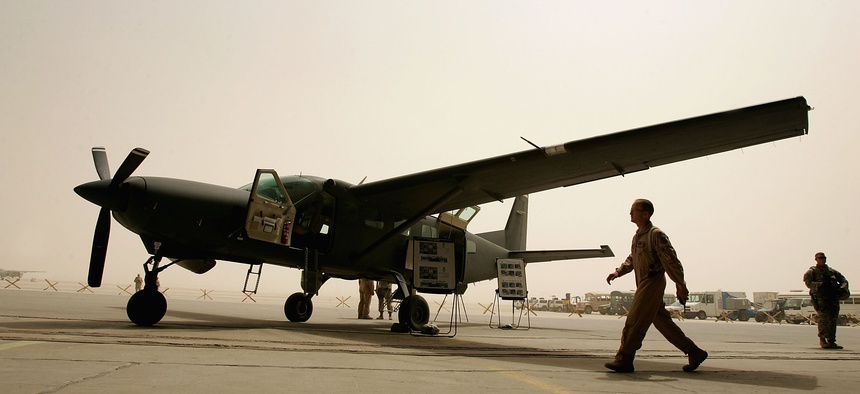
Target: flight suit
x=651 y=258
x=365 y=291
x=822 y=283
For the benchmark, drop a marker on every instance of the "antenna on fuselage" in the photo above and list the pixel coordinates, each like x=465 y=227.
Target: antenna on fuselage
x=542 y=150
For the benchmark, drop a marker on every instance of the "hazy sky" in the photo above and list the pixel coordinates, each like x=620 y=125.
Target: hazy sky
x=217 y=89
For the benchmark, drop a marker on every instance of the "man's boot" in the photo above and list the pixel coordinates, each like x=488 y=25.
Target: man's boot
x=620 y=366
x=695 y=358
x=823 y=343
x=831 y=344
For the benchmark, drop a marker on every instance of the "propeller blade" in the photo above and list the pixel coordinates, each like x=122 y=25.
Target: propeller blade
x=99 y=252
x=100 y=158
x=129 y=165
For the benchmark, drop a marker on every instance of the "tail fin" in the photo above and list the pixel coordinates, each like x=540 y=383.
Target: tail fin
x=513 y=237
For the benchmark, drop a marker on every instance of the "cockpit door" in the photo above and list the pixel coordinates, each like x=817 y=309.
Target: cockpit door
x=271 y=213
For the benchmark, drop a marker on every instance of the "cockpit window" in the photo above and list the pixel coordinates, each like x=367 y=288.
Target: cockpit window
x=297 y=187
x=268 y=188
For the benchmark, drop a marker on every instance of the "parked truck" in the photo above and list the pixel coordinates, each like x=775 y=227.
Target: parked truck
x=769 y=306
x=555 y=305
x=592 y=302
x=707 y=304
x=797 y=307
x=546 y=305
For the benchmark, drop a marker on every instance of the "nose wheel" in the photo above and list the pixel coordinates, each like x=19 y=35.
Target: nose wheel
x=299 y=307
x=148 y=306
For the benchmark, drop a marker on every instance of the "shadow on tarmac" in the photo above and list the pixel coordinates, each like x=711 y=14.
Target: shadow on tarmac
x=380 y=336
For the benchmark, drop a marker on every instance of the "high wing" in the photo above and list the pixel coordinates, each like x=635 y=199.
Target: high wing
x=584 y=160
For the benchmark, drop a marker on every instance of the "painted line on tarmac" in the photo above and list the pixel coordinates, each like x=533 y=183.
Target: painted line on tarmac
x=12 y=345
x=531 y=380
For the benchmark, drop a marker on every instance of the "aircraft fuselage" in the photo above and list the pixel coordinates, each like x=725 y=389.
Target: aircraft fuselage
x=192 y=220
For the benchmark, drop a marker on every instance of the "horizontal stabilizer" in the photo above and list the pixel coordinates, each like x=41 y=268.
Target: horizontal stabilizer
x=537 y=256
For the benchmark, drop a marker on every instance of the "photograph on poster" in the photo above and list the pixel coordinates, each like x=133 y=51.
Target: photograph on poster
x=512 y=278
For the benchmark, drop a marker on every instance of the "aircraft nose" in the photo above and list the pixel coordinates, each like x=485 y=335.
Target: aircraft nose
x=101 y=194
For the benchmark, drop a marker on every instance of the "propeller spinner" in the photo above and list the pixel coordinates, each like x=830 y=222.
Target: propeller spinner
x=106 y=193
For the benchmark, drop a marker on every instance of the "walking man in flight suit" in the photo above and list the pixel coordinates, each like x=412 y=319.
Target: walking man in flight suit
x=651 y=258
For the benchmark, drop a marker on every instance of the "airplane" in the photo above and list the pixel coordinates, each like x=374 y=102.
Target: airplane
x=389 y=229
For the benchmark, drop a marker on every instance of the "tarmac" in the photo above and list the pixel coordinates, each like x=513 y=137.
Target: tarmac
x=67 y=341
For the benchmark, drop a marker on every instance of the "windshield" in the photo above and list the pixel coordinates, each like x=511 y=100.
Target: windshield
x=793 y=303
x=297 y=187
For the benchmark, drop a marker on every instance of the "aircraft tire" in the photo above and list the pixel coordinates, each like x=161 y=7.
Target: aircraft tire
x=298 y=308
x=414 y=312
x=146 y=307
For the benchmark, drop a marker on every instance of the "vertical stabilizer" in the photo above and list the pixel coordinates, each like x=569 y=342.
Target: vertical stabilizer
x=517 y=225
x=513 y=237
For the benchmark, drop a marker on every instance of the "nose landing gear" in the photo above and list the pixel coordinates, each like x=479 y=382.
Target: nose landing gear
x=299 y=307
x=148 y=306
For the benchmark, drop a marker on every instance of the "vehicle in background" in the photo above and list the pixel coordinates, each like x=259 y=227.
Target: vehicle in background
x=734 y=304
x=556 y=305
x=592 y=302
x=671 y=303
x=849 y=310
x=798 y=308
x=776 y=312
x=768 y=306
x=669 y=299
x=619 y=303
x=539 y=304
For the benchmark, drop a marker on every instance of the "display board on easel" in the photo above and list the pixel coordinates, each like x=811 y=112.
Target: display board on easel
x=512 y=279
x=434 y=269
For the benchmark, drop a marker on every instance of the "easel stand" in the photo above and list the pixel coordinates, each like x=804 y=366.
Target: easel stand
x=461 y=305
x=515 y=320
x=452 y=324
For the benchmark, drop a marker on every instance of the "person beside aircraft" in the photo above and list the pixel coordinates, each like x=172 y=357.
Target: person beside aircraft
x=138 y=282
x=651 y=258
x=383 y=293
x=824 y=284
x=365 y=291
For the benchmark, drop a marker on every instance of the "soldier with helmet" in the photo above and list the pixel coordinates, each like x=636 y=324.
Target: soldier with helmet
x=825 y=287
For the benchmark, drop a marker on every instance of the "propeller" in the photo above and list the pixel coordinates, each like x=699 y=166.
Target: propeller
x=106 y=193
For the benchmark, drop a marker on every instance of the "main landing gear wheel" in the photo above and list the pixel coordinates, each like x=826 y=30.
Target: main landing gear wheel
x=414 y=312
x=298 y=308
x=146 y=307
